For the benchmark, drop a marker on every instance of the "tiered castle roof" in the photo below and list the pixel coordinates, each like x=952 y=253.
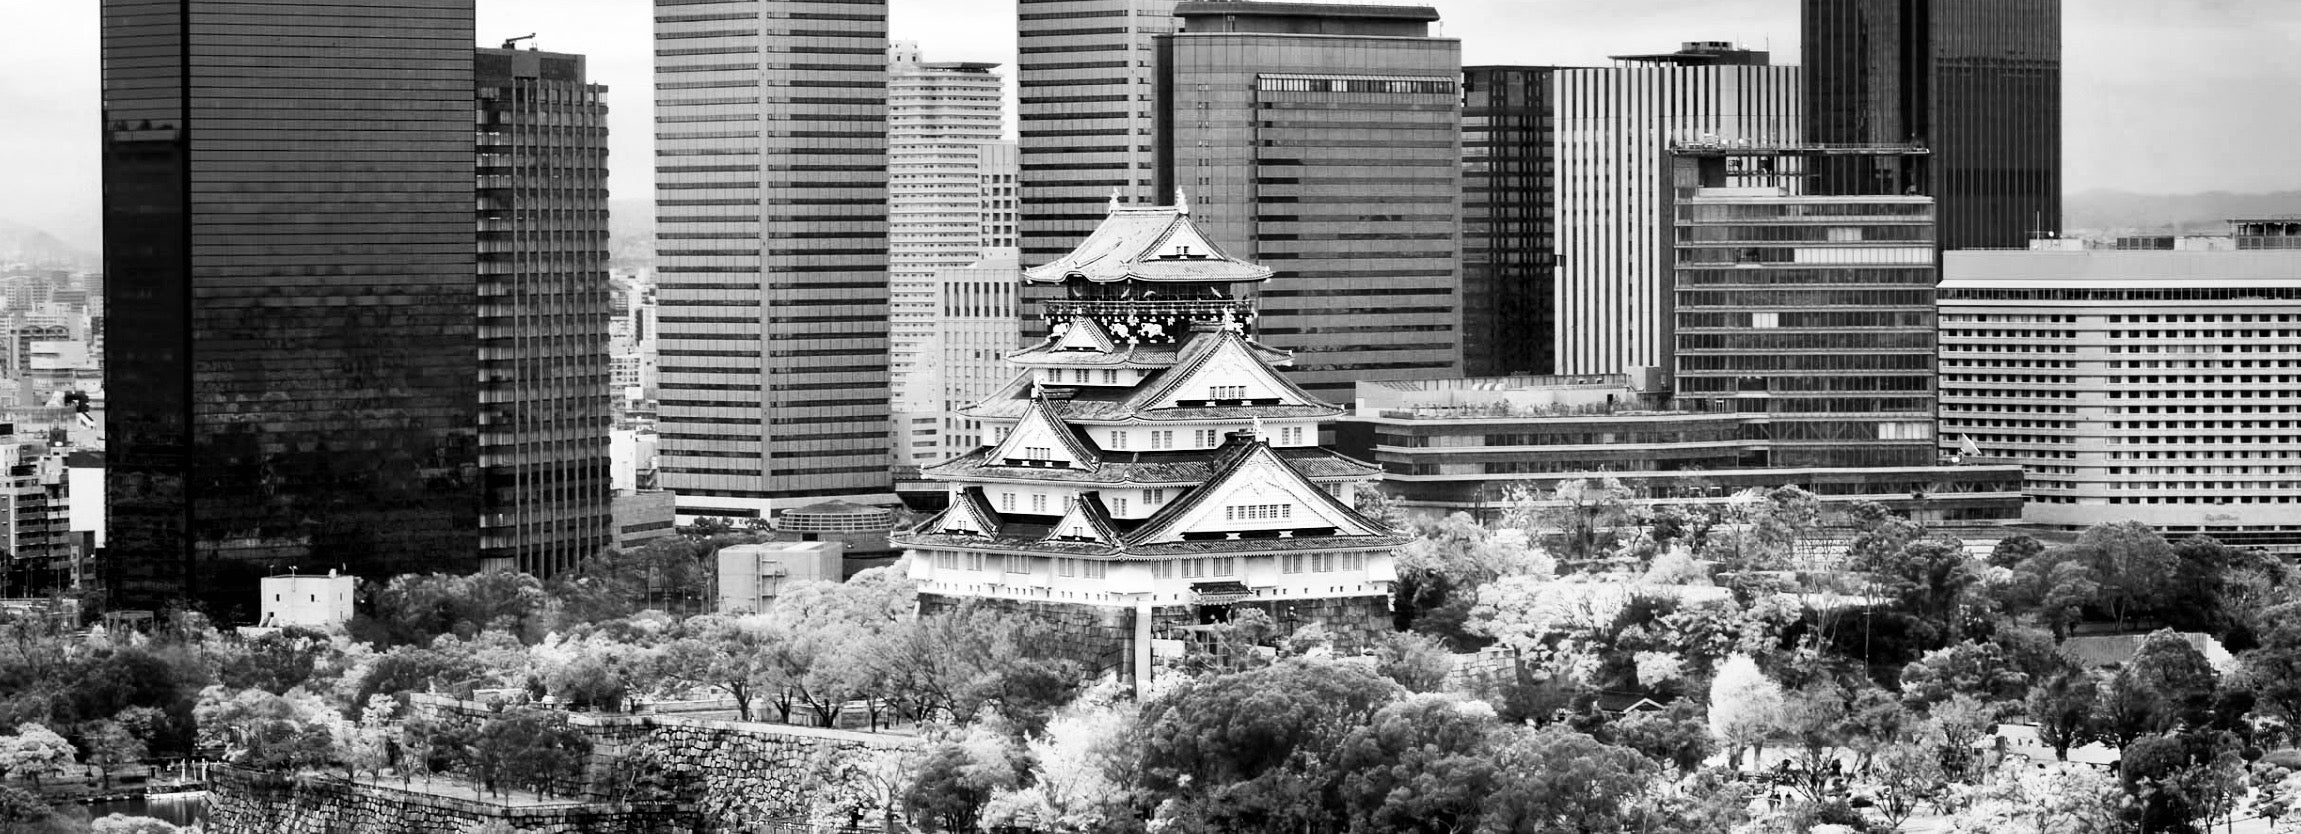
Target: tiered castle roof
x=1153 y=333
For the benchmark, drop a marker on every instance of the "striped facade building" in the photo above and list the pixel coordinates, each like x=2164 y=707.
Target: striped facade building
x=771 y=195
x=1612 y=195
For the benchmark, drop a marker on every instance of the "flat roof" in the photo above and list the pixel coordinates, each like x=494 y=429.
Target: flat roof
x=1260 y=7
x=2119 y=268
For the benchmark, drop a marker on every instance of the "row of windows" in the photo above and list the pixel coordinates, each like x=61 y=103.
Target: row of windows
x=1321 y=562
x=1257 y=512
x=1196 y=568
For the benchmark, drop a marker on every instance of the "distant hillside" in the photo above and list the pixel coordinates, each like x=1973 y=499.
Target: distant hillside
x=631 y=233
x=2126 y=212
x=22 y=244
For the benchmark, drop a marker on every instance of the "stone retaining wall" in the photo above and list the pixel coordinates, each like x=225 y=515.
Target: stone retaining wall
x=646 y=773
x=245 y=802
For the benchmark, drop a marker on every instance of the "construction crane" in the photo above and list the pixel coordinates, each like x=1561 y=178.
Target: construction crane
x=509 y=43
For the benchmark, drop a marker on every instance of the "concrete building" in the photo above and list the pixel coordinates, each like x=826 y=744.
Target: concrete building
x=771 y=200
x=309 y=601
x=1469 y=445
x=545 y=404
x=292 y=352
x=751 y=576
x=2158 y=386
x=1612 y=195
x=1150 y=470
x=1977 y=81
x=1815 y=312
x=1084 y=77
x=975 y=330
x=940 y=116
x=642 y=516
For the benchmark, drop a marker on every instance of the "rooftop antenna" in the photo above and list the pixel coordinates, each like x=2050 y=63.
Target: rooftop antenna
x=509 y=43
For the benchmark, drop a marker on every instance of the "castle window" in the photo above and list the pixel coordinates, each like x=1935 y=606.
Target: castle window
x=1162 y=439
x=1038 y=453
x=1006 y=502
x=1097 y=570
x=1110 y=377
x=1066 y=567
x=1039 y=504
x=1290 y=563
x=1118 y=506
x=1226 y=392
x=1118 y=440
x=1257 y=512
x=1154 y=497
x=1203 y=438
x=1019 y=564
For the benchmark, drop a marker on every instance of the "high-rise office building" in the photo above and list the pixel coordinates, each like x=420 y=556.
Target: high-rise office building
x=545 y=407
x=1083 y=105
x=1509 y=221
x=2134 y=385
x=974 y=331
x=771 y=230
x=1976 y=81
x=291 y=287
x=1324 y=140
x=1610 y=178
x=939 y=116
x=1813 y=311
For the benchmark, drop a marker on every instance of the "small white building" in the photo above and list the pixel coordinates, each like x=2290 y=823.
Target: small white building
x=751 y=575
x=311 y=601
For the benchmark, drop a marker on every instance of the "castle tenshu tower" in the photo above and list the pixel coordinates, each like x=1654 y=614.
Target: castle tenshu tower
x=1149 y=469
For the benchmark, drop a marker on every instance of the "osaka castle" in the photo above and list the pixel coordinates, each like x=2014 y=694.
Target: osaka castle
x=1150 y=469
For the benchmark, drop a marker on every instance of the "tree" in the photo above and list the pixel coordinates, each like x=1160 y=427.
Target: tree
x=1581 y=520
x=1980 y=670
x=1678 y=736
x=1415 y=661
x=1903 y=776
x=1564 y=782
x=2014 y=549
x=111 y=744
x=1422 y=764
x=2021 y=799
x=1443 y=570
x=958 y=777
x=2182 y=684
x=2131 y=561
x=723 y=653
x=1745 y=707
x=273 y=662
x=2064 y=708
x=1813 y=723
x=528 y=747
x=124 y=824
x=1082 y=770
x=2274 y=668
x=35 y=751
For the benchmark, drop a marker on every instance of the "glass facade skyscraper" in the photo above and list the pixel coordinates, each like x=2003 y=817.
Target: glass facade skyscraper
x=1083 y=108
x=1324 y=140
x=292 y=293
x=771 y=230
x=544 y=407
x=1977 y=81
x=1509 y=221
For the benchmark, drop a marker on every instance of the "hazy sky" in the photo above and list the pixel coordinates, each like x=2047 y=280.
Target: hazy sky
x=2168 y=96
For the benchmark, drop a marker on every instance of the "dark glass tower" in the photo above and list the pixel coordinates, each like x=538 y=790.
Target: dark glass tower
x=289 y=263
x=1325 y=140
x=1977 y=81
x=1509 y=221
x=544 y=408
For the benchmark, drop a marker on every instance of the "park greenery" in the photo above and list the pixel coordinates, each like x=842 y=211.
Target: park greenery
x=1582 y=662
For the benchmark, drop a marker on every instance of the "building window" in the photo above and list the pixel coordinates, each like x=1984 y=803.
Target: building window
x=974 y=561
x=1290 y=563
x=1118 y=440
x=1007 y=502
x=1039 y=503
x=1154 y=497
x=1162 y=439
x=1019 y=564
x=1257 y=512
x=1226 y=392
x=1097 y=570
x=1038 y=453
x=1204 y=438
x=1118 y=506
x=1110 y=377
x=1066 y=567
